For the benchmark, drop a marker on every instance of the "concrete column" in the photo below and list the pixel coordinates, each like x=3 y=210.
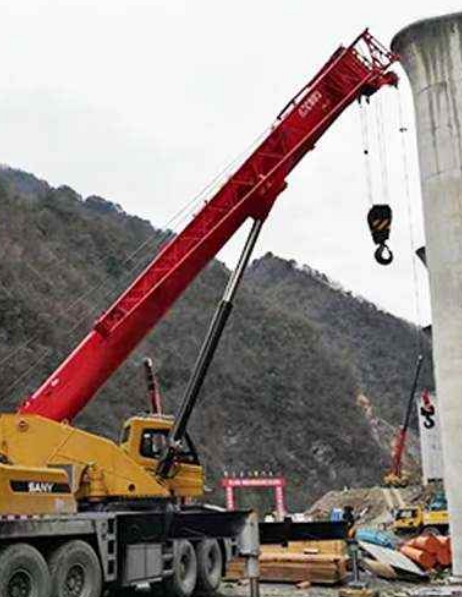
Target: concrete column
x=431 y=54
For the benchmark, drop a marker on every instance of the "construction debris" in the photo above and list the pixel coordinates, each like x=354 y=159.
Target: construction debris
x=422 y=558
x=403 y=566
x=379 y=569
x=429 y=551
x=371 y=505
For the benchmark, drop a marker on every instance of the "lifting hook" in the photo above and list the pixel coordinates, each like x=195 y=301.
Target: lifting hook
x=379 y=220
x=383 y=254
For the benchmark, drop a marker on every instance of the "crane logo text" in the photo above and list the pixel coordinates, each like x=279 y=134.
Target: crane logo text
x=309 y=103
x=38 y=487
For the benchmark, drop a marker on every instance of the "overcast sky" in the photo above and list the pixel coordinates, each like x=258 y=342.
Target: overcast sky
x=144 y=102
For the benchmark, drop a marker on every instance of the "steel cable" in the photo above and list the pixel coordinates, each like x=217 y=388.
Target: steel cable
x=407 y=187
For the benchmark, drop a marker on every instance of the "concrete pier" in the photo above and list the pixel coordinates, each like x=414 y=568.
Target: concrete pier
x=431 y=54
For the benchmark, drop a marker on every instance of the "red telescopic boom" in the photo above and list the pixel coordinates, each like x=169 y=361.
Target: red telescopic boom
x=401 y=436
x=352 y=72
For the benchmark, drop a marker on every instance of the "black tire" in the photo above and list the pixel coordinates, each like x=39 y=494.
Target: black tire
x=75 y=571
x=209 y=566
x=183 y=581
x=24 y=572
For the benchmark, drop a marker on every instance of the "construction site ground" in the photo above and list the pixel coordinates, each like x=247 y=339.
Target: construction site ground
x=386 y=589
x=372 y=507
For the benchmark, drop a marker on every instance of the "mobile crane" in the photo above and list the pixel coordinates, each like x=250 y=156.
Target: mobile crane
x=397 y=477
x=82 y=512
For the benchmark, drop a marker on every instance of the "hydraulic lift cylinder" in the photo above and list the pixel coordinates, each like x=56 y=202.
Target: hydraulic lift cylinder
x=431 y=54
x=207 y=353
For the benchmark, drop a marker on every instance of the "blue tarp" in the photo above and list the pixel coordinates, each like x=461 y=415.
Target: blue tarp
x=381 y=538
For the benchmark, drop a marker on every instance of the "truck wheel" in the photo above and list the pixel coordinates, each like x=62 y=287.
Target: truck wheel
x=183 y=581
x=209 y=566
x=23 y=572
x=75 y=571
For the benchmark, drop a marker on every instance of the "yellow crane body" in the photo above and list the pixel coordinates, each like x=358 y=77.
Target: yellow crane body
x=49 y=455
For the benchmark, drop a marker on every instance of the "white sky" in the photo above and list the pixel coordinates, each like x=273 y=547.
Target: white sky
x=144 y=102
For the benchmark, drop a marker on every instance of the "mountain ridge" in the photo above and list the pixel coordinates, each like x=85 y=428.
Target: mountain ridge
x=282 y=393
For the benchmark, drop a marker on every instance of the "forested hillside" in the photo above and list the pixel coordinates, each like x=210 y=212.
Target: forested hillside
x=379 y=349
x=282 y=392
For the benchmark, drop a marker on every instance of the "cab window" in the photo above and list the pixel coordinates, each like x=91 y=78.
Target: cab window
x=403 y=514
x=154 y=442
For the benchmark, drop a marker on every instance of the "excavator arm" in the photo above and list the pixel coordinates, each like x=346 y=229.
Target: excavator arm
x=352 y=72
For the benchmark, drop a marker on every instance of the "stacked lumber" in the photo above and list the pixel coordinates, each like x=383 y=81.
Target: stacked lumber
x=332 y=547
x=297 y=563
x=429 y=551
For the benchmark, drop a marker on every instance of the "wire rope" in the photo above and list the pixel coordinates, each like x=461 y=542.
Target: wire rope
x=410 y=216
x=382 y=146
x=366 y=152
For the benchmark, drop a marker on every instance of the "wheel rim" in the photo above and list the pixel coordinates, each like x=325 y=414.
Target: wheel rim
x=75 y=581
x=184 y=565
x=20 y=584
x=210 y=562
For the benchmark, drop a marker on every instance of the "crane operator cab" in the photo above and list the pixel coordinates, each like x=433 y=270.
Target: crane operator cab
x=145 y=440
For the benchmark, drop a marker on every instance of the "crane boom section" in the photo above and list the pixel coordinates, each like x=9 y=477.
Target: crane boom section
x=354 y=71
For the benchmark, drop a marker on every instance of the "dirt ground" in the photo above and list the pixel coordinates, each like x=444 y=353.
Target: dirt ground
x=277 y=590
x=385 y=588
